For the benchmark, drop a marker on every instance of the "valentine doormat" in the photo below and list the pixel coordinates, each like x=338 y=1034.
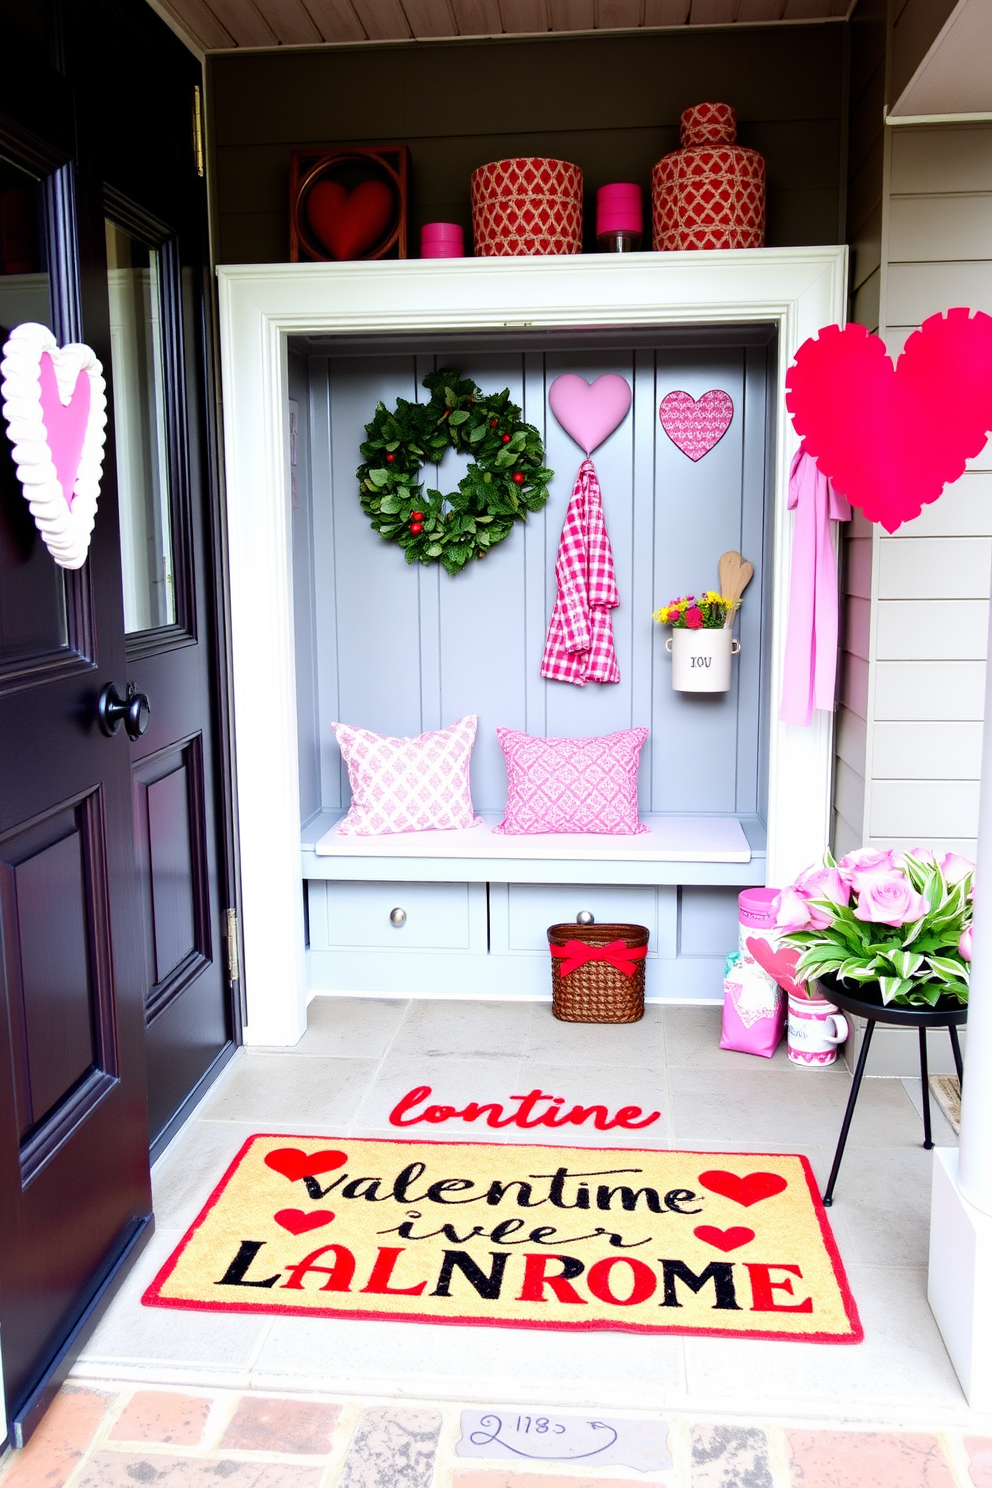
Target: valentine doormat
x=517 y=1236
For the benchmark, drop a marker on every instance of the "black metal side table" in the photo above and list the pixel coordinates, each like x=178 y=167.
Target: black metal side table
x=922 y=1019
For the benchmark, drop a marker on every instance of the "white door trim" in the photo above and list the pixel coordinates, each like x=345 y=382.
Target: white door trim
x=799 y=290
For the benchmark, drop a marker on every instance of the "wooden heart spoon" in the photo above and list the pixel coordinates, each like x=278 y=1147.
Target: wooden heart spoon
x=735 y=575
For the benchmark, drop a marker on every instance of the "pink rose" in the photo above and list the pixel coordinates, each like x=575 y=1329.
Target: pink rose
x=694 y=618
x=964 y=944
x=863 y=863
x=792 y=912
x=824 y=883
x=954 y=867
x=922 y=854
x=889 y=899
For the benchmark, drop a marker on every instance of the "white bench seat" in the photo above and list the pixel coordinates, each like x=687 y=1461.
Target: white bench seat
x=677 y=849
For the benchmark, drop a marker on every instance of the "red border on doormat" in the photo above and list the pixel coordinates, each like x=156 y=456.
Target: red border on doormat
x=152 y=1296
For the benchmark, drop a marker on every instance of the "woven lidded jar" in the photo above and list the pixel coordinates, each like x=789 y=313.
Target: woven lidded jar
x=607 y=987
x=711 y=193
x=525 y=206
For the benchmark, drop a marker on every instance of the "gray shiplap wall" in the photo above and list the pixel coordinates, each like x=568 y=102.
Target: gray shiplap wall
x=932 y=577
x=400 y=649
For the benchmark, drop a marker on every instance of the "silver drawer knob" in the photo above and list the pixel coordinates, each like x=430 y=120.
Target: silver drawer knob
x=585 y=917
x=397 y=917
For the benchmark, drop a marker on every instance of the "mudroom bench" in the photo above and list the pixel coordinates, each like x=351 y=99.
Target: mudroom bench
x=466 y=913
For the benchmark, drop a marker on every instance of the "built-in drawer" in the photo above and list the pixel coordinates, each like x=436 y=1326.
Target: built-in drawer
x=434 y=917
x=519 y=914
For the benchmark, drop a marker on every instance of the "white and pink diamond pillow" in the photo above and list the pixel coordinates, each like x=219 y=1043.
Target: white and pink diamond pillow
x=572 y=785
x=408 y=785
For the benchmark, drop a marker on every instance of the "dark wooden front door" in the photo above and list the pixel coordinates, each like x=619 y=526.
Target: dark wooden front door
x=114 y=995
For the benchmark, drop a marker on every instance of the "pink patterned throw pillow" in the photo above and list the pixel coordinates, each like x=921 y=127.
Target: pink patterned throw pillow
x=572 y=785
x=408 y=785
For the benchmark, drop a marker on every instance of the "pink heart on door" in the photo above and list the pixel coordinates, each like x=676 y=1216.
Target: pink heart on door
x=65 y=423
x=695 y=425
x=589 y=412
x=890 y=437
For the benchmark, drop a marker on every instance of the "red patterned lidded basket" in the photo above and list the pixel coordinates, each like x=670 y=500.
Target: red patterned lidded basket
x=525 y=206
x=597 y=972
x=711 y=193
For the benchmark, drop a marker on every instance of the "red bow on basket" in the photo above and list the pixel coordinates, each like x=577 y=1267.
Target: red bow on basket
x=575 y=953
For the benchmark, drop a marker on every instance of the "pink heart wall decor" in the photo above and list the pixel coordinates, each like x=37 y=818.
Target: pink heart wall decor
x=890 y=437
x=54 y=401
x=695 y=425
x=589 y=412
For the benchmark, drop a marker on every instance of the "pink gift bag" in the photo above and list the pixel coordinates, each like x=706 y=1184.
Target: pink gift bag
x=753 y=1011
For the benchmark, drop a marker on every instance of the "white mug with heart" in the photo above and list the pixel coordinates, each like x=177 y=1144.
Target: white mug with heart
x=55 y=404
x=816 y=1027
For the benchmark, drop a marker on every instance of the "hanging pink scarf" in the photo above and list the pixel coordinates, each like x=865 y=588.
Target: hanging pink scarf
x=579 y=647
x=810 y=671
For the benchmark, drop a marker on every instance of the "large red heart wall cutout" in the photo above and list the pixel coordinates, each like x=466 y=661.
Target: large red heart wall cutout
x=890 y=437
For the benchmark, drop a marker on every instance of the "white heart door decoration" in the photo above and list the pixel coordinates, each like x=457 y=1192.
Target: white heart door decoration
x=55 y=404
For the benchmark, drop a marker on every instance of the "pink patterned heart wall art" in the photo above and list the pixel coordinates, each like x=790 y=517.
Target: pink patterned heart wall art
x=695 y=425
x=890 y=437
x=56 y=410
x=589 y=412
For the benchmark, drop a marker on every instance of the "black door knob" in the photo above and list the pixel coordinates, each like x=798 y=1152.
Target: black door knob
x=133 y=710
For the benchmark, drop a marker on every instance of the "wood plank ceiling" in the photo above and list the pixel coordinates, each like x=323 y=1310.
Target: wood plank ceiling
x=223 y=25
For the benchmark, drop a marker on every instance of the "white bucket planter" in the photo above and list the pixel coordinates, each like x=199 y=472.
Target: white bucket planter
x=701 y=659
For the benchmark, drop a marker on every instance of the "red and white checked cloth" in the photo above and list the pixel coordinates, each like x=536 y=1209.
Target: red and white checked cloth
x=579 y=647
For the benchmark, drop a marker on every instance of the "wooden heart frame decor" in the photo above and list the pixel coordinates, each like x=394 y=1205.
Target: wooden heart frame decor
x=348 y=202
x=55 y=404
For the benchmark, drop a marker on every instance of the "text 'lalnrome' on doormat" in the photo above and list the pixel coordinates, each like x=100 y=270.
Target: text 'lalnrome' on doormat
x=517 y=1236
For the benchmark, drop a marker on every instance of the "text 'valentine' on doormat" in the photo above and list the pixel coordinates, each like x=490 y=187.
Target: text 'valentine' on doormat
x=733 y=1244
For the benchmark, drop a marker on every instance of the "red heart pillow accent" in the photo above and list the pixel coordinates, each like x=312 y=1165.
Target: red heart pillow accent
x=725 y=1240
x=294 y=1164
x=747 y=1190
x=298 y=1221
x=780 y=964
x=347 y=223
x=891 y=437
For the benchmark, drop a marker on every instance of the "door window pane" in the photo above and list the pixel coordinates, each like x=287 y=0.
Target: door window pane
x=138 y=364
x=32 y=587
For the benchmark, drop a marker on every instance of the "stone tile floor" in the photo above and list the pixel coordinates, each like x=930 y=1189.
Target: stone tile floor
x=115 y=1436
x=172 y=1398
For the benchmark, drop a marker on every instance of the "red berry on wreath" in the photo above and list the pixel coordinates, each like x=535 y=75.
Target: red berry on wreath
x=493 y=423
x=416 y=527
x=390 y=458
x=506 y=438
x=518 y=478
x=416 y=516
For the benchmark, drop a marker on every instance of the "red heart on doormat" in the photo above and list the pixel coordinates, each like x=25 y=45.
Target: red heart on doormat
x=349 y=223
x=780 y=964
x=890 y=437
x=298 y=1221
x=725 y=1240
x=747 y=1190
x=695 y=425
x=294 y=1164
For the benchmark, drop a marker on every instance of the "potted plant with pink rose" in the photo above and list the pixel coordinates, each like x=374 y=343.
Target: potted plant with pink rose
x=896 y=925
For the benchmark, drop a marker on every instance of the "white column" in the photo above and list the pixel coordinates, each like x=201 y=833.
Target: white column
x=960 y=1277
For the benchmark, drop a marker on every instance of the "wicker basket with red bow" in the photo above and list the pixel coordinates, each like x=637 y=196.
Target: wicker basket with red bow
x=597 y=972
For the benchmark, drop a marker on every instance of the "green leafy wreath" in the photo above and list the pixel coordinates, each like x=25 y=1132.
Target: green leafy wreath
x=507 y=479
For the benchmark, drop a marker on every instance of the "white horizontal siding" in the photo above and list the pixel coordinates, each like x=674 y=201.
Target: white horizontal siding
x=917 y=290
x=924 y=808
x=934 y=229
x=909 y=630
x=934 y=568
x=964 y=510
x=946 y=158
x=854 y=685
x=926 y=751
x=852 y=740
x=929 y=691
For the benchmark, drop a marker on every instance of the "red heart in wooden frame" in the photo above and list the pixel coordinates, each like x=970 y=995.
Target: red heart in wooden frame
x=890 y=437
x=349 y=223
x=746 y=1189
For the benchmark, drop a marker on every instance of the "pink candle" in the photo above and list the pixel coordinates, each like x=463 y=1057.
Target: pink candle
x=442 y=240
x=619 y=209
